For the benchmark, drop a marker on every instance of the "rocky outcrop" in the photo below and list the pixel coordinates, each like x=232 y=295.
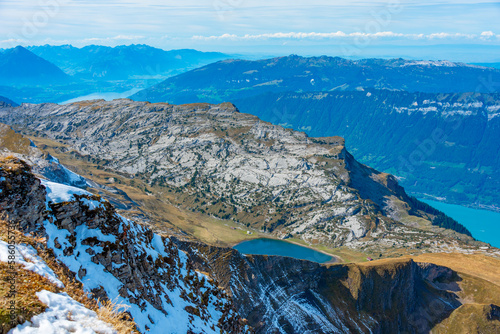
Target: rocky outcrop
x=222 y=163
x=22 y=198
x=115 y=258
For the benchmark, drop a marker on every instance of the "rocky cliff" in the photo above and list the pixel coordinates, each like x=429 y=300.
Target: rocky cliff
x=285 y=295
x=219 y=162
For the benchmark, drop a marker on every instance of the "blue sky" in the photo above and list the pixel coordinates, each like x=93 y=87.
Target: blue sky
x=422 y=29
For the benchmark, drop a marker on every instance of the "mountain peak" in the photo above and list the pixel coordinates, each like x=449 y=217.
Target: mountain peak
x=20 y=66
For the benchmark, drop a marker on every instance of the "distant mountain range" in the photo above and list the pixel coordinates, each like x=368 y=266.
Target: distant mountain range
x=377 y=105
x=123 y=62
x=20 y=67
x=494 y=65
x=59 y=73
x=7 y=101
x=233 y=79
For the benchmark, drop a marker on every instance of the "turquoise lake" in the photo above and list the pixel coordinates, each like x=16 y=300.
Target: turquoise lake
x=283 y=248
x=483 y=224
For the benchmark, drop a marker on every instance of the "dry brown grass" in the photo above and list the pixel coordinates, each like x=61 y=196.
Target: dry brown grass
x=26 y=302
x=478 y=265
x=13 y=141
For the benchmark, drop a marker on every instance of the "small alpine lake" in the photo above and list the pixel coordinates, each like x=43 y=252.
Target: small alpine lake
x=265 y=246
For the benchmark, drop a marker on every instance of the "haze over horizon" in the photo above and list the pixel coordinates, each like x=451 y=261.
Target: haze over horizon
x=455 y=30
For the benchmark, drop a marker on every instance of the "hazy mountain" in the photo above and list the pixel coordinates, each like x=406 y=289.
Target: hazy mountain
x=233 y=79
x=20 y=67
x=123 y=62
x=7 y=101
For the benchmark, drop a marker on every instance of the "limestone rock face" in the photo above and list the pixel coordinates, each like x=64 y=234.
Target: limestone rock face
x=234 y=166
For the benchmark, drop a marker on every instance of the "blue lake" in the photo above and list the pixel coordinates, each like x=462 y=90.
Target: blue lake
x=283 y=248
x=483 y=224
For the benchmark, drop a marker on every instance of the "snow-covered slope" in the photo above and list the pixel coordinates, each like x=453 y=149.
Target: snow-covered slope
x=119 y=260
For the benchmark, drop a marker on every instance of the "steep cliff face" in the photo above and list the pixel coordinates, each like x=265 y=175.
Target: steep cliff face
x=441 y=144
x=115 y=258
x=219 y=162
x=279 y=294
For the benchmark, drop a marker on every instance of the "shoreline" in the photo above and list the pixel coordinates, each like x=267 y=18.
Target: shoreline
x=335 y=259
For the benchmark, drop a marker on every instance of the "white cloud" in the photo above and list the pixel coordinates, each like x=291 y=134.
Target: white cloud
x=341 y=34
x=487 y=34
x=107 y=39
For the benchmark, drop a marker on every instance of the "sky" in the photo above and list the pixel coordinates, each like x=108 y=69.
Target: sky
x=455 y=30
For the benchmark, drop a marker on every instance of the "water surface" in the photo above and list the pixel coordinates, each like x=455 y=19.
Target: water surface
x=483 y=224
x=282 y=248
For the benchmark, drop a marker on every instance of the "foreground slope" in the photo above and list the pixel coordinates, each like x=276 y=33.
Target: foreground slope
x=219 y=162
x=114 y=257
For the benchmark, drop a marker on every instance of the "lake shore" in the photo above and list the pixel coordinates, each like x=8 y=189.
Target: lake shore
x=335 y=259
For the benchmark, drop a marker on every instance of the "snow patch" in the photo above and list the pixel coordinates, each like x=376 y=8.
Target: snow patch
x=57 y=192
x=27 y=256
x=63 y=315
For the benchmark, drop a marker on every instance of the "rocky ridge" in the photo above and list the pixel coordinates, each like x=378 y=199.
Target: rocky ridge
x=115 y=258
x=220 y=162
